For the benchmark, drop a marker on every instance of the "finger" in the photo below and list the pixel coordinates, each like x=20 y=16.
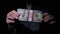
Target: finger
x=48 y=19
x=44 y=14
x=9 y=16
x=45 y=18
x=52 y=22
x=15 y=13
x=9 y=21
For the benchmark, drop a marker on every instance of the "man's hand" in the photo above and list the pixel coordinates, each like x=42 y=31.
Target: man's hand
x=48 y=18
x=11 y=16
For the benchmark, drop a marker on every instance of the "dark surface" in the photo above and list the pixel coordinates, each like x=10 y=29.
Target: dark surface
x=47 y=6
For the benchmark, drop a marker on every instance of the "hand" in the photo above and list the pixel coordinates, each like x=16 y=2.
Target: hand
x=11 y=16
x=48 y=18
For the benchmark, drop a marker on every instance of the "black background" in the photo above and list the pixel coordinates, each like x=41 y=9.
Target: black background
x=8 y=5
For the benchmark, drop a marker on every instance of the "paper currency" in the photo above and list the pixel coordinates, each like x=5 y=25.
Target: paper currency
x=29 y=15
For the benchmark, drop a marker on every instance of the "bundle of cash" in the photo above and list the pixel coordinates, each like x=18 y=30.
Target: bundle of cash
x=29 y=15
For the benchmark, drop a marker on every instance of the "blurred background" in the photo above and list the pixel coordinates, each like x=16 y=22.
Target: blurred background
x=47 y=6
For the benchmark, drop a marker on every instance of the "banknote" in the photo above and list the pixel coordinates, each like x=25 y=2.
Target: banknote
x=29 y=15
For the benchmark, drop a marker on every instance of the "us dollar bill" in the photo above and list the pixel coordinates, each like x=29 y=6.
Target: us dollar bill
x=29 y=15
